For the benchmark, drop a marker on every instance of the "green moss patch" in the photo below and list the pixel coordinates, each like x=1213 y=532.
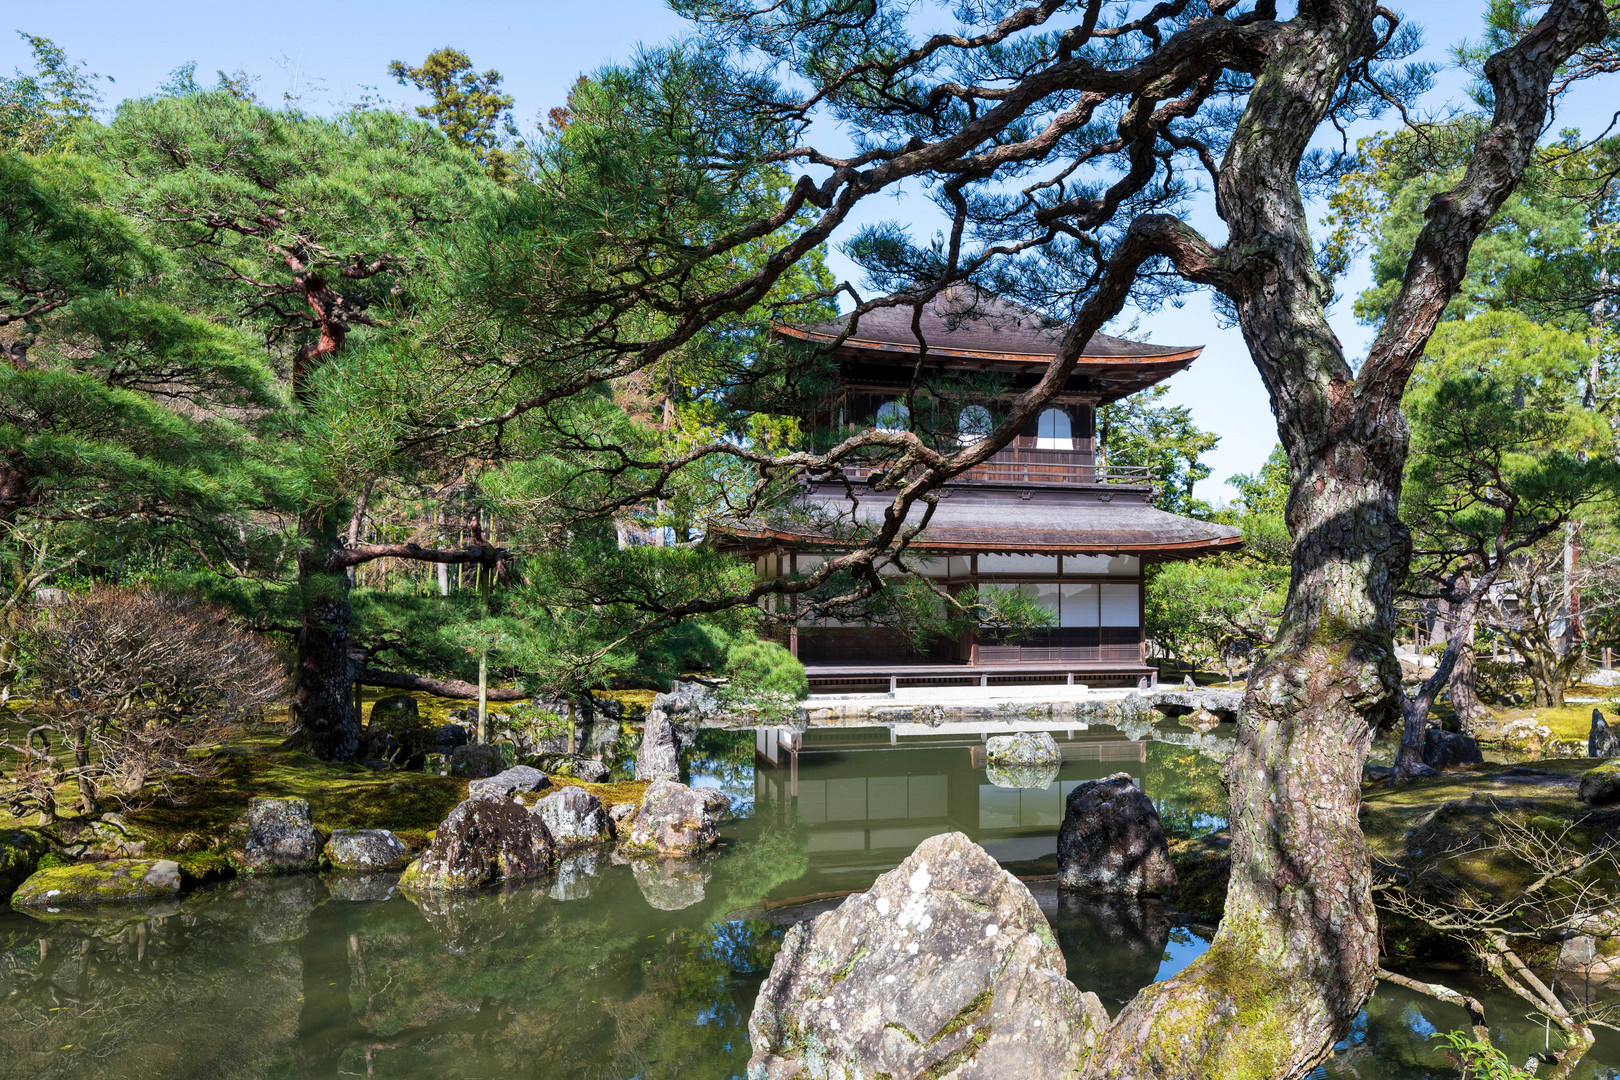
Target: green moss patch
x=112 y=882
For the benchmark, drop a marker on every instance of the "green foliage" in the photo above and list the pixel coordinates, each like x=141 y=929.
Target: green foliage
x=39 y=112
x=1219 y=610
x=763 y=678
x=467 y=106
x=1138 y=431
x=1547 y=253
x=766 y=667
x=1477 y=1060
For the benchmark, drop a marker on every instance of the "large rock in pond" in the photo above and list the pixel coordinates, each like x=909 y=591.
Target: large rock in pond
x=280 y=837
x=1447 y=749
x=657 y=758
x=675 y=819
x=363 y=850
x=944 y=968
x=1601 y=786
x=1601 y=742
x=574 y=817
x=577 y=766
x=20 y=852
x=1111 y=840
x=507 y=781
x=113 y=881
x=1026 y=748
x=483 y=842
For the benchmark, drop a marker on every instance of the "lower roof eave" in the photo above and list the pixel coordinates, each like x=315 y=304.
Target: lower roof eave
x=1175 y=549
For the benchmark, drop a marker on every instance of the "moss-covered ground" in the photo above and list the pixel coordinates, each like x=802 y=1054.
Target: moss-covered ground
x=197 y=816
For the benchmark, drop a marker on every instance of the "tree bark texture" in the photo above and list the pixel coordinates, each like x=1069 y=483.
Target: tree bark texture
x=1296 y=954
x=1465 y=690
x=325 y=721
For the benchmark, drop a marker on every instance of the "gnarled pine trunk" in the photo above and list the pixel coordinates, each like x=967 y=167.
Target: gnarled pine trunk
x=325 y=722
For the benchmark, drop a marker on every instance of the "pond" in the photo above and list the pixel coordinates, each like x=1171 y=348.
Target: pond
x=616 y=970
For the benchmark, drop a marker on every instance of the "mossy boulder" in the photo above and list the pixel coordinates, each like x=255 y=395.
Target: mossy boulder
x=115 y=881
x=944 y=967
x=280 y=838
x=675 y=820
x=484 y=841
x=1601 y=786
x=20 y=852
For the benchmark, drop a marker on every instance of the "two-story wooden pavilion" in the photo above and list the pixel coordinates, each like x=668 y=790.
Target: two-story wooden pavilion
x=1043 y=513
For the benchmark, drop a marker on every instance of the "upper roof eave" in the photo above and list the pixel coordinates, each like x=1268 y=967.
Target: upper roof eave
x=1181 y=356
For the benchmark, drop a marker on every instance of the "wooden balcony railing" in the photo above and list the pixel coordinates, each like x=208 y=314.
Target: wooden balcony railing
x=1028 y=465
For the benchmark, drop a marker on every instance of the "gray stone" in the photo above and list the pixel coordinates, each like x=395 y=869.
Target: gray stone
x=945 y=967
x=1602 y=741
x=1026 y=748
x=395 y=707
x=1224 y=704
x=1447 y=749
x=1601 y=786
x=657 y=758
x=577 y=766
x=671 y=884
x=622 y=814
x=1603 y=677
x=475 y=761
x=676 y=820
x=109 y=837
x=1111 y=840
x=507 y=781
x=687 y=698
x=280 y=837
x=112 y=881
x=449 y=736
x=575 y=818
x=483 y=842
x=366 y=850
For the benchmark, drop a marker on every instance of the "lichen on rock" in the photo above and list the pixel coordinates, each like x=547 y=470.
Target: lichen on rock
x=674 y=819
x=483 y=841
x=944 y=968
x=1111 y=840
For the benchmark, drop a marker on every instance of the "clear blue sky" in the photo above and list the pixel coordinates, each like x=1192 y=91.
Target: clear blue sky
x=334 y=52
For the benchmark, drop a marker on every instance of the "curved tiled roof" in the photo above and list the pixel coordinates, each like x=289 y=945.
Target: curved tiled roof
x=994 y=519
x=967 y=322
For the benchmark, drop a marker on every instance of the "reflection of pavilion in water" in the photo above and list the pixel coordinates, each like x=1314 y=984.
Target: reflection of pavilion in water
x=867 y=796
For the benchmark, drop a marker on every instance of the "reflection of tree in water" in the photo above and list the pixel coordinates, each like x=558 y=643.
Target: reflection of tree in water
x=726 y=757
x=1185 y=786
x=143 y=997
x=286 y=977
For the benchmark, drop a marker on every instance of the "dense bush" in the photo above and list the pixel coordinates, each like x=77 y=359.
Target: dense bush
x=129 y=685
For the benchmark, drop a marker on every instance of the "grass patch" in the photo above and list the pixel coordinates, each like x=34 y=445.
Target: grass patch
x=1572 y=724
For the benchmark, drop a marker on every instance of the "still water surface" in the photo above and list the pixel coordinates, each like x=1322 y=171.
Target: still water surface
x=616 y=971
